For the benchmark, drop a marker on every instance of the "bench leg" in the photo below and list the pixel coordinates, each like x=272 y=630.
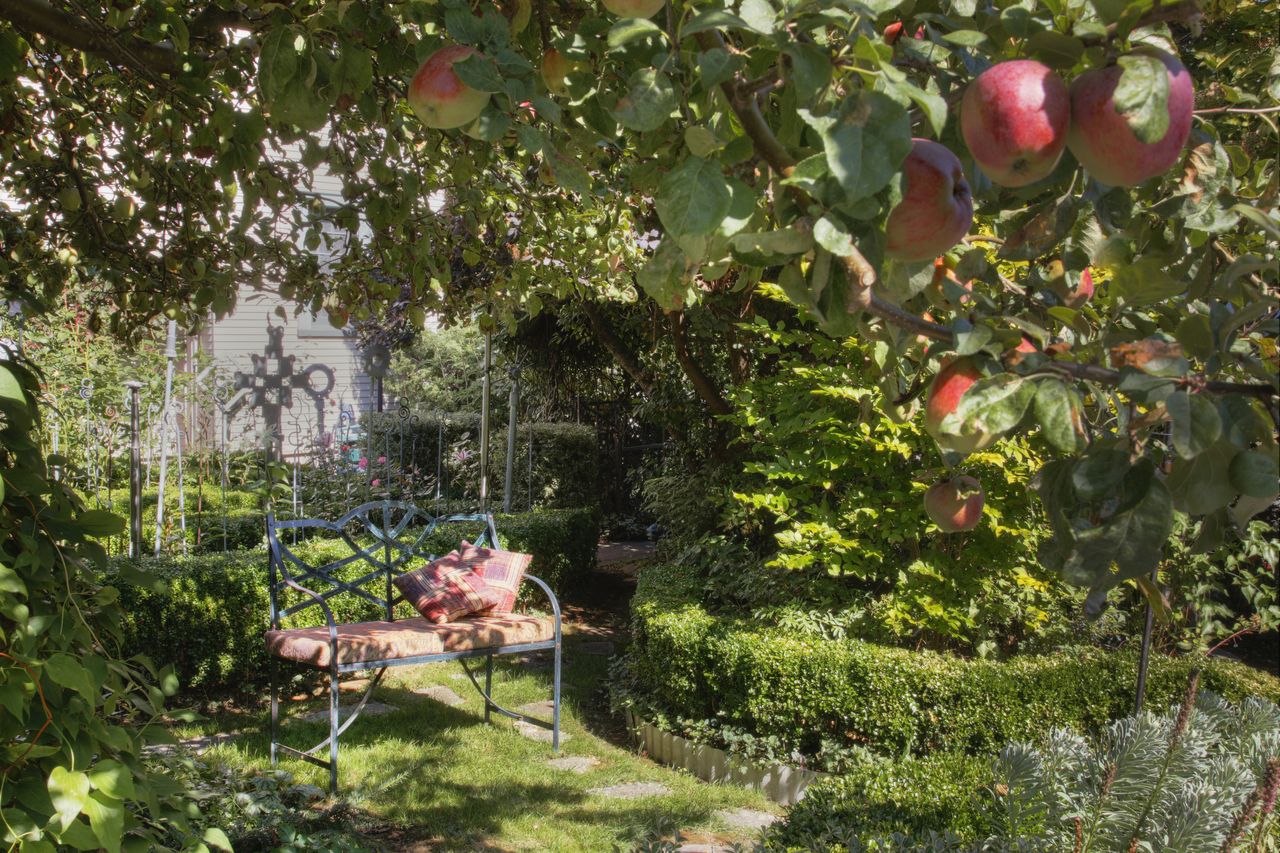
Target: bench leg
x=275 y=711
x=333 y=733
x=555 y=703
x=488 y=686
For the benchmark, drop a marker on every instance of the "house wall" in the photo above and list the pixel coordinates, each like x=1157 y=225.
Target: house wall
x=231 y=342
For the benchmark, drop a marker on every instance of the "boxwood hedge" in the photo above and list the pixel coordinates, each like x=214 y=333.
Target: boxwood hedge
x=688 y=664
x=205 y=614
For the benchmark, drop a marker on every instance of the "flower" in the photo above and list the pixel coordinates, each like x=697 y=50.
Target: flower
x=382 y=460
x=363 y=464
x=376 y=483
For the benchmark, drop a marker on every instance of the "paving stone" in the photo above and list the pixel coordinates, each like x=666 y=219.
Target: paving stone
x=372 y=709
x=575 y=763
x=199 y=745
x=703 y=848
x=441 y=694
x=538 y=733
x=746 y=818
x=542 y=710
x=632 y=791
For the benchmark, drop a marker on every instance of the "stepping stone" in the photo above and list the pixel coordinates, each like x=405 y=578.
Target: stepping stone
x=575 y=763
x=746 y=818
x=632 y=791
x=538 y=733
x=603 y=648
x=541 y=710
x=703 y=848
x=371 y=709
x=441 y=694
x=199 y=745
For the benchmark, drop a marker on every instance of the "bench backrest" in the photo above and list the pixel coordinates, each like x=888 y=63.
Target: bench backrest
x=384 y=538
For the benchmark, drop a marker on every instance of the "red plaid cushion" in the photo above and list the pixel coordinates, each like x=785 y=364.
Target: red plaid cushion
x=502 y=572
x=447 y=589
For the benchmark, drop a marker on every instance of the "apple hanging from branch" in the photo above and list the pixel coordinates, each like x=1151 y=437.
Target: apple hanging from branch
x=438 y=97
x=936 y=208
x=955 y=504
x=1014 y=118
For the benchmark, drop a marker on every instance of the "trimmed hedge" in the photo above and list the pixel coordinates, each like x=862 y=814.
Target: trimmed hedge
x=205 y=614
x=686 y=664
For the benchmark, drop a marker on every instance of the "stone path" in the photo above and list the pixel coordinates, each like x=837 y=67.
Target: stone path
x=632 y=790
x=371 y=709
x=574 y=763
x=746 y=818
x=441 y=694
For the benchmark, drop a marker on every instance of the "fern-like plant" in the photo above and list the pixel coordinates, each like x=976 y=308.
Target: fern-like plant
x=1200 y=778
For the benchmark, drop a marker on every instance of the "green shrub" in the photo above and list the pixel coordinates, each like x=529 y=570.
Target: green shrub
x=687 y=665
x=911 y=795
x=205 y=614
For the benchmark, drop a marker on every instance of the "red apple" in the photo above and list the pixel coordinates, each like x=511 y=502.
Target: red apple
x=955 y=377
x=634 y=8
x=555 y=68
x=1100 y=136
x=955 y=504
x=1083 y=293
x=936 y=208
x=1014 y=118
x=438 y=97
x=944 y=271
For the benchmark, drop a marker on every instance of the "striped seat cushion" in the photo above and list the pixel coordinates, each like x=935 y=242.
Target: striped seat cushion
x=365 y=642
x=502 y=572
x=447 y=589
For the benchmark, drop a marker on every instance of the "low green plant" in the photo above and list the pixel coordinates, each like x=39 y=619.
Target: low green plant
x=689 y=664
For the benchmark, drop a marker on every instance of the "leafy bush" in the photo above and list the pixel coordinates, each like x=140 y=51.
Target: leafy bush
x=205 y=614
x=689 y=665
x=838 y=486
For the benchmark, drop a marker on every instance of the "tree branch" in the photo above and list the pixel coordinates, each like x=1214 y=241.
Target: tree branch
x=702 y=383
x=621 y=354
x=39 y=17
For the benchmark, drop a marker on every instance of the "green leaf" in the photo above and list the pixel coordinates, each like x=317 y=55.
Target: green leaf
x=763 y=247
x=1055 y=49
x=113 y=779
x=100 y=522
x=10 y=387
x=693 y=198
x=1058 y=410
x=810 y=70
x=1146 y=282
x=69 y=790
x=833 y=237
x=1099 y=472
x=1196 y=425
x=965 y=38
x=106 y=818
x=992 y=405
x=649 y=100
x=1196 y=335
x=865 y=144
x=758 y=15
x=712 y=19
x=1132 y=539
x=479 y=72
x=716 y=65
x=627 y=30
x=1255 y=473
x=1202 y=483
x=1245 y=422
x=1142 y=96
x=215 y=837
x=278 y=62
x=665 y=276
x=68 y=672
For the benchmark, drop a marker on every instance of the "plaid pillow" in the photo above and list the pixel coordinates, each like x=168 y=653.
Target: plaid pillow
x=447 y=589
x=502 y=572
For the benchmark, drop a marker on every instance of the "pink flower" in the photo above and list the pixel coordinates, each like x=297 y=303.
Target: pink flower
x=377 y=483
x=382 y=460
x=363 y=463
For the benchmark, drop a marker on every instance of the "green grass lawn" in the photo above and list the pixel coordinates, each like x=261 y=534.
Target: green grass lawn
x=449 y=781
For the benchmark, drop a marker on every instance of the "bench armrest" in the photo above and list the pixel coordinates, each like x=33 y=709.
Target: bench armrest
x=328 y=615
x=551 y=597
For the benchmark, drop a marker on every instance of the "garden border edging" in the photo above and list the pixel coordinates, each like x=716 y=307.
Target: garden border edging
x=781 y=783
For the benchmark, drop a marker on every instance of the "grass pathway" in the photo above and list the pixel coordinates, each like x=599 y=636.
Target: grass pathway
x=440 y=778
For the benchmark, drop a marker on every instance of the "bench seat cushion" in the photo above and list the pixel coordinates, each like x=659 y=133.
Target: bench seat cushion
x=361 y=642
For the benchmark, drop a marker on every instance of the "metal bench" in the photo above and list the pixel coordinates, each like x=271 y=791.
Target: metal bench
x=397 y=531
